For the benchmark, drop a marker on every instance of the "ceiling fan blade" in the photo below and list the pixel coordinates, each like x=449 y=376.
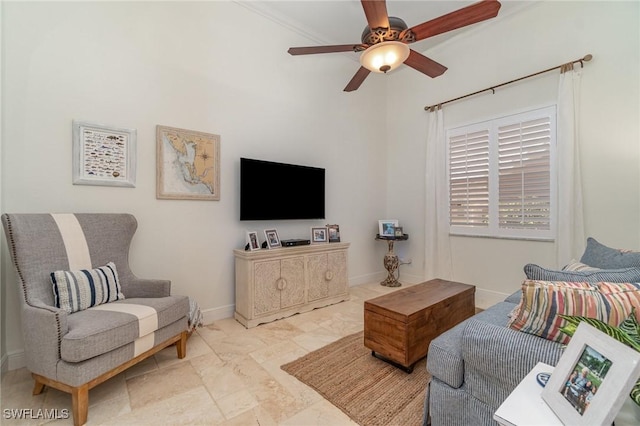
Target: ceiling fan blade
x=477 y=12
x=357 y=79
x=425 y=65
x=376 y=13
x=322 y=49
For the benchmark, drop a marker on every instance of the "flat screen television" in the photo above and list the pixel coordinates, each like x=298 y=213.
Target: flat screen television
x=279 y=191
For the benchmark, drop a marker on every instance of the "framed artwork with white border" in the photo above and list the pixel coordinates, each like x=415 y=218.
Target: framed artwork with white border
x=386 y=227
x=319 y=235
x=592 y=379
x=103 y=155
x=253 y=241
x=273 y=241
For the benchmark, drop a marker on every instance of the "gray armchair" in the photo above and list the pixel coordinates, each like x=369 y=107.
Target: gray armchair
x=93 y=318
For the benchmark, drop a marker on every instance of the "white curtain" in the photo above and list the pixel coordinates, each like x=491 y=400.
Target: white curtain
x=570 y=239
x=437 y=253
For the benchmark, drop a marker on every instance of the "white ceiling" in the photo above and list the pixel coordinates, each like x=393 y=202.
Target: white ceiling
x=328 y=22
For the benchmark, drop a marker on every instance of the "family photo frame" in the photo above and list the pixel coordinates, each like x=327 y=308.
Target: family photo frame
x=253 y=241
x=273 y=241
x=593 y=378
x=319 y=235
x=386 y=227
x=334 y=233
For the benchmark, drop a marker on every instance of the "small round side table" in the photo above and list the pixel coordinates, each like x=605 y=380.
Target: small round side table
x=391 y=261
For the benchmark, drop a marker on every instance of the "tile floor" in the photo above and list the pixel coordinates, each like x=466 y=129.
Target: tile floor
x=230 y=376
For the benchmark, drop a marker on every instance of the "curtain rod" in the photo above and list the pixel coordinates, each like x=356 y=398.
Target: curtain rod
x=586 y=58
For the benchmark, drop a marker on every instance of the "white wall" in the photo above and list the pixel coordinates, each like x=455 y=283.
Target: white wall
x=189 y=65
x=541 y=36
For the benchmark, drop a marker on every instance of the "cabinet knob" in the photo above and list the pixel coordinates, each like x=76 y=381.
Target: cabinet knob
x=328 y=275
x=281 y=284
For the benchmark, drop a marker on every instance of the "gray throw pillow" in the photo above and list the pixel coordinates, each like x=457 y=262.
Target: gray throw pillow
x=624 y=275
x=601 y=256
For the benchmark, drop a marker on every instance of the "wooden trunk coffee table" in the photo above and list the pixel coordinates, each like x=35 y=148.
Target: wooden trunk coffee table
x=399 y=326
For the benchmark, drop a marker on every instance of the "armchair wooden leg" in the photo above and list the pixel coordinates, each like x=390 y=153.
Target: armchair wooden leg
x=181 y=345
x=80 y=404
x=38 y=387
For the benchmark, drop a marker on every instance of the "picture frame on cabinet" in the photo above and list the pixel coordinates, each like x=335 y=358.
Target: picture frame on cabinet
x=593 y=378
x=334 y=233
x=273 y=241
x=253 y=241
x=103 y=155
x=386 y=227
x=319 y=235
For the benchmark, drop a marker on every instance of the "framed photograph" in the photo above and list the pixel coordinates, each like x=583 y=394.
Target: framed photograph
x=334 y=233
x=272 y=238
x=187 y=164
x=252 y=240
x=592 y=379
x=103 y=155
x=397 y=231
x=386 y=227
x=319 y=235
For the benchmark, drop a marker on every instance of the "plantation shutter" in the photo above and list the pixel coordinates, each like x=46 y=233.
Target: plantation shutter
x=524 y=175
x=469 y=179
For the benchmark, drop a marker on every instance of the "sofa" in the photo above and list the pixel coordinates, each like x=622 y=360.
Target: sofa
x=476 y=365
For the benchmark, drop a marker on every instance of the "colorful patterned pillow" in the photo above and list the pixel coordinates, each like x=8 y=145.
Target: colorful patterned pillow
x=78 y=290
x=601 y=256
x=625 y=275
x=543 y=301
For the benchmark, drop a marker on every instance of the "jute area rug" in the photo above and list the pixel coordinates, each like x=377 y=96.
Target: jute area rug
x=370 y=391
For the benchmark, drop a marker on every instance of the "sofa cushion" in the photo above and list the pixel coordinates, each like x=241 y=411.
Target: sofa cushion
x=624 y=275
x=103 y=328
x=601 y=256
x=543 y=301
x=574 y=265
x=78 y=290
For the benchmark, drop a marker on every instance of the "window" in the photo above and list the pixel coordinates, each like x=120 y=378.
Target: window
x=502 y=178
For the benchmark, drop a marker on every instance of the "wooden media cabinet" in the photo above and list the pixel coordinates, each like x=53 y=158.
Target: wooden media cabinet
x=277 y=283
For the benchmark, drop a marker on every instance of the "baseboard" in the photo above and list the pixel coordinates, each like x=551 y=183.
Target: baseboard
x=365 y=279
x=215 y=314
x=4 y=364
x=13 y=361
x=488 y=298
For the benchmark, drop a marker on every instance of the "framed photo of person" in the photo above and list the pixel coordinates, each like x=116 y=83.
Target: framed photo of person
x=252 y=240
x=592 y=379
x=319 y=235
x=273 y=241
x=386 y=227
x=334 y=233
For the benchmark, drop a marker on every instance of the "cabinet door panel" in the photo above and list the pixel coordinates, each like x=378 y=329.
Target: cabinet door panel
x=292 y=272
x=339 y=282
x=318 y=284
x=266 y=297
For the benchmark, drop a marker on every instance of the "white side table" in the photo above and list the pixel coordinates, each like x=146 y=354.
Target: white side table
x=525 y=407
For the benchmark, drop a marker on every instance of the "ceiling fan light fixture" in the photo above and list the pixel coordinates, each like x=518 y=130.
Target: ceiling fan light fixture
x=385 y=56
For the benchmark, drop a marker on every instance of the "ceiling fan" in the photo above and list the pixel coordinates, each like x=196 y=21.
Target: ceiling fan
x=385 y=40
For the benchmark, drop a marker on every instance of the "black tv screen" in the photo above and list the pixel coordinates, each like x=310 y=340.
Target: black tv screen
x=276 y=191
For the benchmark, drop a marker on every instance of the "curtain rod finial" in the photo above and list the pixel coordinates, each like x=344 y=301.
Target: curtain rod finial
x=587 y=57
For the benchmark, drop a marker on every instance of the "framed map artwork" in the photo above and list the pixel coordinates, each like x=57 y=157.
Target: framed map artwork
x=188 y=164
x=103 y=155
